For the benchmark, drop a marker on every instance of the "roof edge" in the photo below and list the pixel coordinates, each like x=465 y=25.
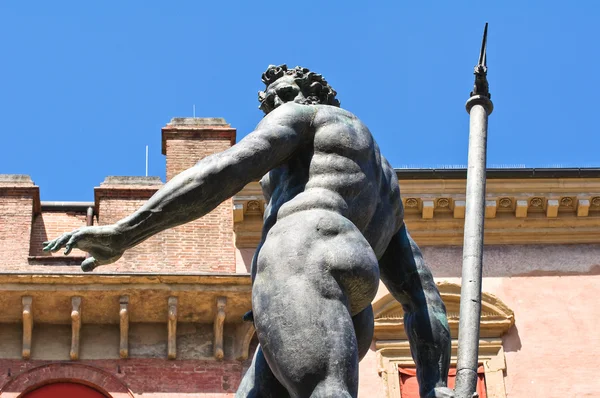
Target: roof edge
x=495 y=173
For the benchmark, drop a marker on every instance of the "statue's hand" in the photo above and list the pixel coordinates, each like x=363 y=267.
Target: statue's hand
x=444 y=392
x=101 y=242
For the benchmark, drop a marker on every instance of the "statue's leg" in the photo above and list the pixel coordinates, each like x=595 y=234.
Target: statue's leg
x=363 y=328
x=259 y=381
x=409 y=280
x=312 y=269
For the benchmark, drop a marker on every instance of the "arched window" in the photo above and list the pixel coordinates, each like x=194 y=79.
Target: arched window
x=65 y=380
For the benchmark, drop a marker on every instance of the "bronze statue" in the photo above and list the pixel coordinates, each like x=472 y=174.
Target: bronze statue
x=332 y=228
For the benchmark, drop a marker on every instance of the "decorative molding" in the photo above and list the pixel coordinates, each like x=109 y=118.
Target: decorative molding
x=75 y=326
x=120 y=299
x=566 y=201
x=443 y=203
x=556 y=210
x=27 y=326
x=411 y=203
x=218 y=328
x=124 y=326
x=149 y=294
x=172 y=328
x=505 y=203
x=496 y=317
x=536 y=202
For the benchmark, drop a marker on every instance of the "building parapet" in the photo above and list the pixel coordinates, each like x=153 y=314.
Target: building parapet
x=543 y=206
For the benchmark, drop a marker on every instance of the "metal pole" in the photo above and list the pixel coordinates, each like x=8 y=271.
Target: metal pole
x=479 y=106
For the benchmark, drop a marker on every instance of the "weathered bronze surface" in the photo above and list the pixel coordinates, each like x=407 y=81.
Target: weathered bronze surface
x=332 y=228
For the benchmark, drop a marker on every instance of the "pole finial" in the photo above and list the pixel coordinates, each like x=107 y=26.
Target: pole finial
x=481 y=84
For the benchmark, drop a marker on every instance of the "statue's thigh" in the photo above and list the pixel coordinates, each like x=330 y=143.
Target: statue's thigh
x=304 y=327
x=307 y=339
x=259 y=381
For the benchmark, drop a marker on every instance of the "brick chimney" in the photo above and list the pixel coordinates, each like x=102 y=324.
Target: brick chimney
x=186 y=140
x=207 y=244
x=19 y=203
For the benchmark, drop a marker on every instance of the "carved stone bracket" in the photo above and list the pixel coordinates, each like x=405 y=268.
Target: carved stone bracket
x=75 y=326
x=124 y=326
x=583 y=208
x=27 y=326
x=491 y=207
x=459 y=208
x=552 y=208
x=427 y=209
x=243 y=338
x=521 y=209
x=218 y=328
x=172 y=328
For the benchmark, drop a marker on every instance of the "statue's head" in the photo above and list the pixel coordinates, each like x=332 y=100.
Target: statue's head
x=298 y=85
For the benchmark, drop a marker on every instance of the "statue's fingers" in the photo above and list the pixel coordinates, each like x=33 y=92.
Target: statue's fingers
x=89 y=264
x=47 y=245
x=57 y=243
x=70 y=244
x=61 y=242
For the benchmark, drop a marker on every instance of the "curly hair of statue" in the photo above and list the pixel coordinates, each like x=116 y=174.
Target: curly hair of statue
x=314 y=87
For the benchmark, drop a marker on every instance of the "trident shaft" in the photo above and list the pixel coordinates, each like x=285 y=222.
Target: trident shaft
x=479 y=106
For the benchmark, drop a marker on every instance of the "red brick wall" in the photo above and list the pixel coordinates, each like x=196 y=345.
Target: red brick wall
x=15 y=230
x=50 y=225
x=191 y=378
x=19 y=200
x=116 y=202
x=206 y=244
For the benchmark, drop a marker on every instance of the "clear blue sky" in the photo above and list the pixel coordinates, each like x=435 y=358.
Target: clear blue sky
x=86 y=85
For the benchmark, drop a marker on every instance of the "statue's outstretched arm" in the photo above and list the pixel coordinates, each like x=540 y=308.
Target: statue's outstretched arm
x=198 y=190
x=194 y=192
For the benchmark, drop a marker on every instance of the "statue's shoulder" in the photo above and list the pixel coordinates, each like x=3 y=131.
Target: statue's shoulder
x=291 y=112
x=326 y=113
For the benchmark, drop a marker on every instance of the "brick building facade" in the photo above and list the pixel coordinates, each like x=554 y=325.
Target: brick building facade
x=166 y=319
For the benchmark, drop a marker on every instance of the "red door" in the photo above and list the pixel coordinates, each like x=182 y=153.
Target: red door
x=64 y=390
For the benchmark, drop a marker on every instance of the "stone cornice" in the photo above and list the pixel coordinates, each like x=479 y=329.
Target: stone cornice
x=526 y=210
x=101 y=279
x=121 y=299
x=147 y=293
